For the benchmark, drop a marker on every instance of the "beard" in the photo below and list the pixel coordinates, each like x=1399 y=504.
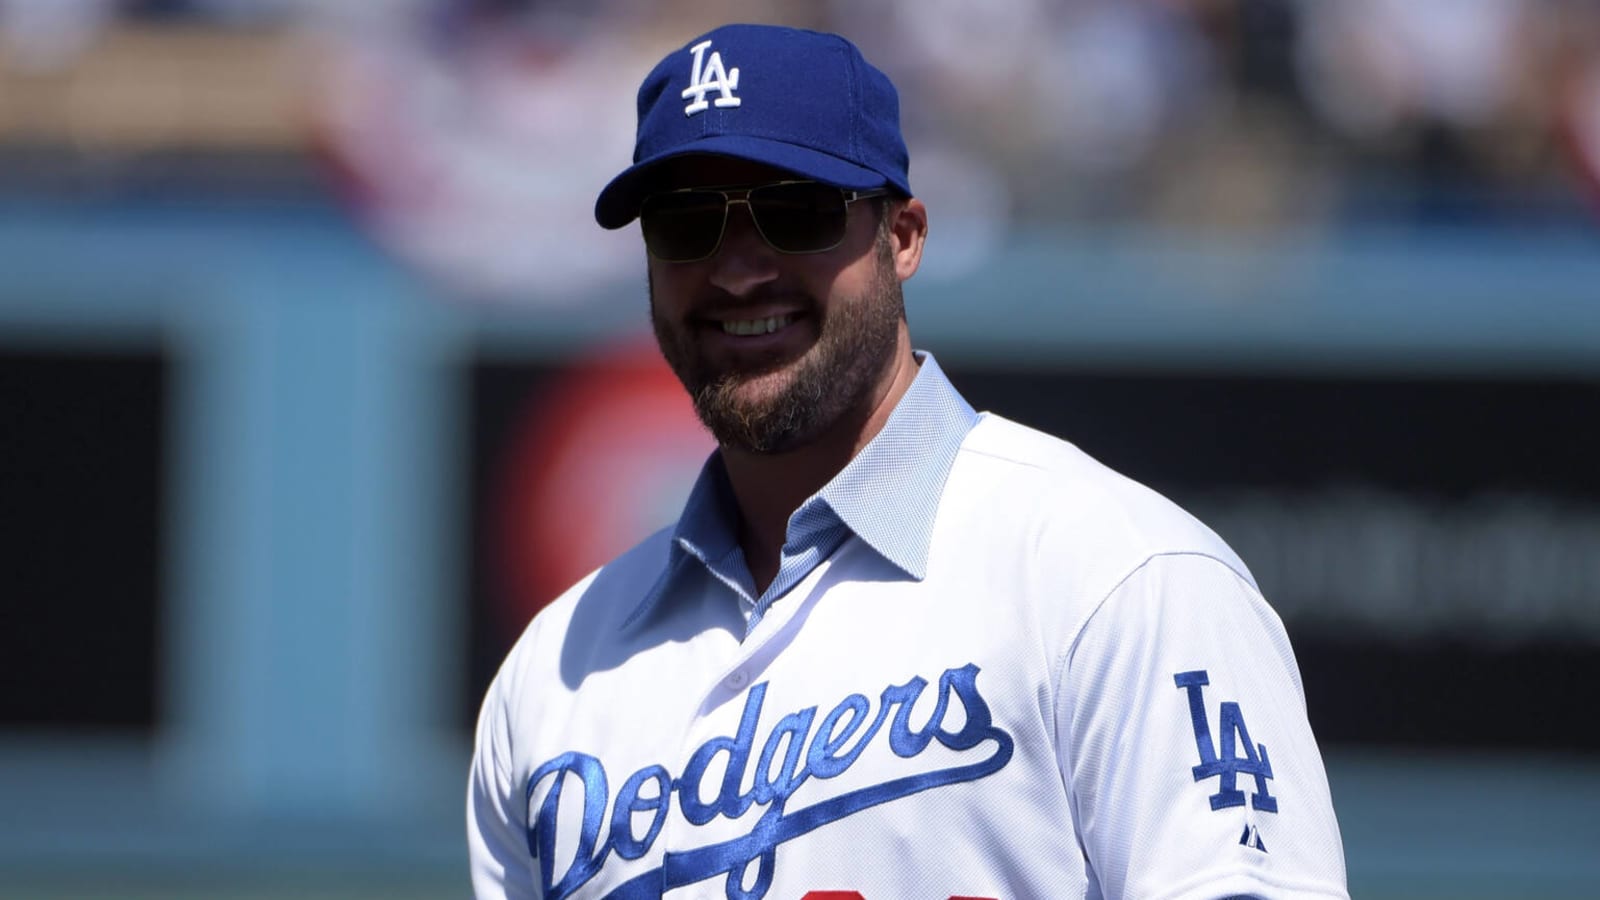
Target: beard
x=801 y=398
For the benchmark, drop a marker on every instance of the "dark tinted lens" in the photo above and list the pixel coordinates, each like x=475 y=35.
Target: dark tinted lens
x=799 y=218
x=682 y=226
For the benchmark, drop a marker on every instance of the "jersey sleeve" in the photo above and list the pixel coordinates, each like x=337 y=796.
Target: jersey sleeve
x=1185 y=746
x=496 y=845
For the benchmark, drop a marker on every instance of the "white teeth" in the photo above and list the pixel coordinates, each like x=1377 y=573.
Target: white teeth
x=756 y=326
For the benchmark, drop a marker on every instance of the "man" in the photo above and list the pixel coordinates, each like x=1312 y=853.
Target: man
x=893 y=648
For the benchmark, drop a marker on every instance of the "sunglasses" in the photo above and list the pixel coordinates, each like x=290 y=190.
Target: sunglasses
x=791 y=216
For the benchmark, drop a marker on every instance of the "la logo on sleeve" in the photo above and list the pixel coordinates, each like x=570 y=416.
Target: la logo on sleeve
x=1233 y=735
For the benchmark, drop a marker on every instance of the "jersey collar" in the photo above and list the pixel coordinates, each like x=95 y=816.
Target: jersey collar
x=888 y=495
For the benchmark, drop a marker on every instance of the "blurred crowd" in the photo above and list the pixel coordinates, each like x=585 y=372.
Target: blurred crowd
x=1235 y=115
x=1257 y=112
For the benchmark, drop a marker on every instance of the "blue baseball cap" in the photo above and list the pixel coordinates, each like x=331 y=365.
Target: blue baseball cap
x=801 y=101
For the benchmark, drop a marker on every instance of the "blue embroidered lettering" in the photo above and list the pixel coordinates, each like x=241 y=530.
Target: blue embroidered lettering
x=629 y=802
x=980 y=723
x=542 y=833
x=728 y=802
x=821 y=759
x=777 y=775
x=792 y=730
x=1226 y=765
x=902 y=740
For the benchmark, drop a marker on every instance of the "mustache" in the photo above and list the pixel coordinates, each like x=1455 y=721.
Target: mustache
x=717 y=301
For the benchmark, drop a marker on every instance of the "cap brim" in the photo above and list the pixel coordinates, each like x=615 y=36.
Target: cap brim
x=618 y=203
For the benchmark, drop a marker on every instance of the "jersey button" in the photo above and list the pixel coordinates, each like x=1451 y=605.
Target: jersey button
x=737 y=680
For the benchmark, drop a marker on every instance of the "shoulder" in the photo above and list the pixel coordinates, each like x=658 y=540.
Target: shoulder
x=1077 y=514
x=588 y=614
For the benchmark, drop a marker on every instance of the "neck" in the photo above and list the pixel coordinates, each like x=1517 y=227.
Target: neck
x=770 y=487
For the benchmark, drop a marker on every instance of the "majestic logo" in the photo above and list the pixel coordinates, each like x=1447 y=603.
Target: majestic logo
x=791 y=754
x=1254 y=762
x=709 y=75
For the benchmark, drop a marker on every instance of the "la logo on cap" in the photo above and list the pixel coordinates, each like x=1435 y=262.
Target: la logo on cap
x=709 y=75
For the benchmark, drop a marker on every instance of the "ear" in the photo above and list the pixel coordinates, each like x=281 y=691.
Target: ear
x=908 y=231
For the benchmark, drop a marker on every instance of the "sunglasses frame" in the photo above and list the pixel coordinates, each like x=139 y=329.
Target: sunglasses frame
x=741 y=194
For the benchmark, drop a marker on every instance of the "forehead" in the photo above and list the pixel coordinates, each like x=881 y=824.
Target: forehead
x=704 y=170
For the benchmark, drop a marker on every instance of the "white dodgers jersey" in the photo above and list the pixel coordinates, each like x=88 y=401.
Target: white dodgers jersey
x=1085 y=696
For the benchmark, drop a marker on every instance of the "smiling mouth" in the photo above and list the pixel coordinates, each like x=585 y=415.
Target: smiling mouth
x=749 y=327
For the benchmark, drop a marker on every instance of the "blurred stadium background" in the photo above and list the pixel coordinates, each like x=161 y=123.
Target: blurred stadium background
x=316 y=379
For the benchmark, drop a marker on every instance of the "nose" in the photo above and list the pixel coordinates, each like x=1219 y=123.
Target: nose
x=744 y=261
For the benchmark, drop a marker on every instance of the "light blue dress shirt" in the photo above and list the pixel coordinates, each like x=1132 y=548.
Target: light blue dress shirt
x=887 y=496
